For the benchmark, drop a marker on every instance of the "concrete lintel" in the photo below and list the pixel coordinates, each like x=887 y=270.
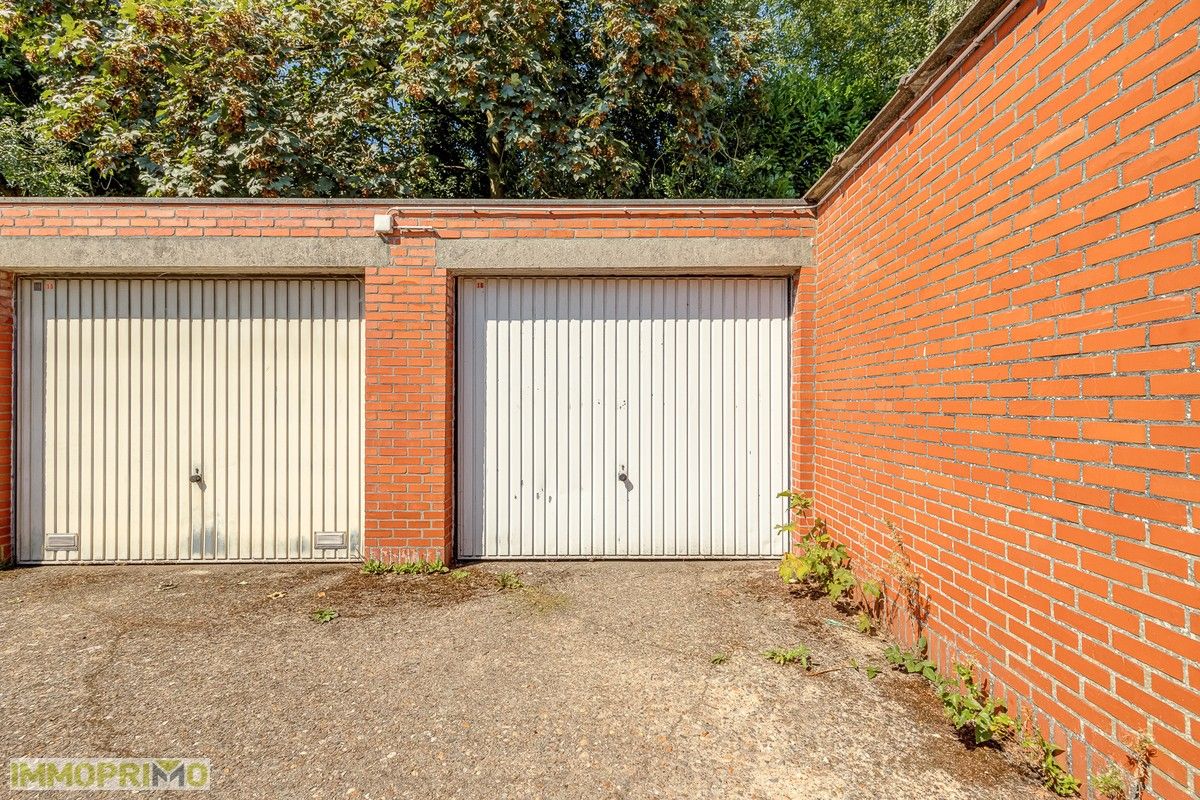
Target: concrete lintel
x=608 y=256
x=159 y=254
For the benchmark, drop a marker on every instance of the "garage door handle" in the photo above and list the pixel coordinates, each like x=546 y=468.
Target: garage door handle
x=622 y=475
x=196 y=476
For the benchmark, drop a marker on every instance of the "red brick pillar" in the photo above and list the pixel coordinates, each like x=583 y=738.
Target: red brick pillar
x=409 y=404
x=803 y=380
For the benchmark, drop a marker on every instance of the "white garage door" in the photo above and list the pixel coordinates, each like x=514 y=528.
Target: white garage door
x=189 y=419
x=631 y=417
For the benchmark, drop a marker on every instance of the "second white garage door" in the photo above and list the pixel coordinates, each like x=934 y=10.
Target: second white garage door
x=633 y=417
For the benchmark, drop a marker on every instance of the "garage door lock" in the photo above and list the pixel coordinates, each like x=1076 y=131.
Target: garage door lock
x=197 y=476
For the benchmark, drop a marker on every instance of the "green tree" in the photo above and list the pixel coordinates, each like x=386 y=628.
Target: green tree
x=31 y=161
x=234 y=97
x=463 y=98
x=359 y=98
x=580 y=98
x=864 y=45
x=828 y=66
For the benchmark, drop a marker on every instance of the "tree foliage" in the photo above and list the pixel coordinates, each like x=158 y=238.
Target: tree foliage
x=827 y=67
x=442 y=98
x=579 y=98
x=189 y=97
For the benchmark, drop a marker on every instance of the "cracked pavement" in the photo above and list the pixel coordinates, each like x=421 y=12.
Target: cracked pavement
x=594 y=680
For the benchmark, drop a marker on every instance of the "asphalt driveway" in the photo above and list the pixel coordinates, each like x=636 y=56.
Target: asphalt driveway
x=593 y=680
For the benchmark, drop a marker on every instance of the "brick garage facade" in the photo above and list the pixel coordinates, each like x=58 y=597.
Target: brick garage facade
x=1006 y=333
x=409 y=309
x=996 y=354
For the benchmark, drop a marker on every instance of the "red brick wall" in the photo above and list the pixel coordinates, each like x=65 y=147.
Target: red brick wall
x=1006 y=369
x=409 y=313
x=184 y=218
x=410 y=439
x=802 y=417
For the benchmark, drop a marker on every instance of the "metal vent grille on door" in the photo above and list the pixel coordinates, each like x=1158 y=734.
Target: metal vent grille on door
x=189 y=419
x=622 y=417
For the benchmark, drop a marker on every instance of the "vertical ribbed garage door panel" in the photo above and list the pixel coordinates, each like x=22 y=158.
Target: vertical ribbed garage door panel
x=126 y=384
x=564 y=381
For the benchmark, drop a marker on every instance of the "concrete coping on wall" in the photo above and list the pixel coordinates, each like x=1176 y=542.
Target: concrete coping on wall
x=482 y=205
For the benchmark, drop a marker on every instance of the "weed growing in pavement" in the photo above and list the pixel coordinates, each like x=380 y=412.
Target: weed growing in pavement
x=870 y=669
x=418 y=567
x=1054 y=777
x=818 y=562
x=915 y=661
x=324 y=615
x=798 y=654
x=421 y=567
x=815 y=558
x=719 y=659
x=976 y=715
x=460 y=574
x=509 y=580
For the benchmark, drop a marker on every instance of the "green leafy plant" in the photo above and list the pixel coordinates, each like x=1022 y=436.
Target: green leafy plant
x=913 y=662
x=421 y=567
x=324 y=615
x=872 y=590
x=815 y=559
x=1110 y=783
x=418 y=567
x=375 y=567
x=719 y=658
x=870 y=669
x=1054 y=777
x=509 y=580
x=976 y=715
x=460 y=574
x=818 y=561
x=798 y=654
